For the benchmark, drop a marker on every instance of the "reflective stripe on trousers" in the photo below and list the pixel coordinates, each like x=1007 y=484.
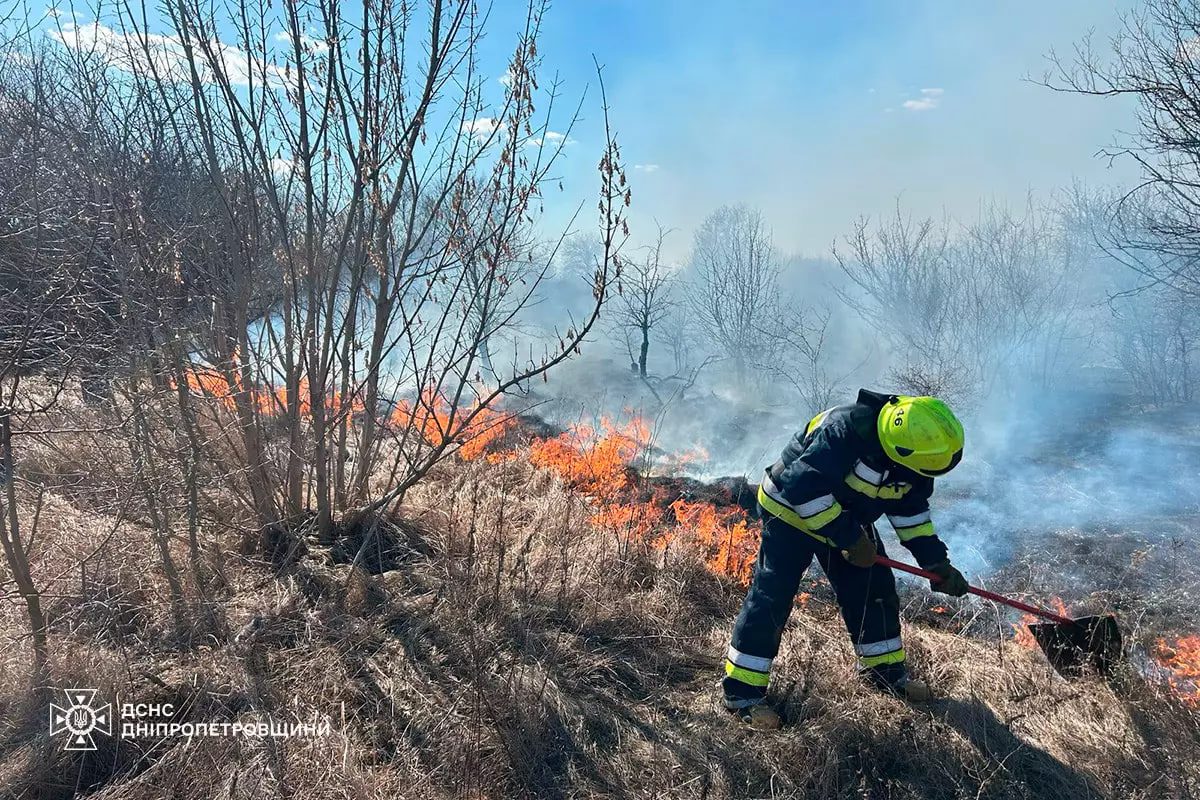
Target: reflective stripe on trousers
x=867 y=598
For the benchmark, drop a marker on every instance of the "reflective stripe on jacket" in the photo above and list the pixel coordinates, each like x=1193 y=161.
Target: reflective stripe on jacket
x=833 y=477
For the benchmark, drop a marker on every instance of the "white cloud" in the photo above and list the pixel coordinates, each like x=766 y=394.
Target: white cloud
x=165 y=54
x=550 y=137
x=313 y=45
x=480 y=129
x=507 y=78
x=485 y=128
x=929 y=100
x=282 y=167
x=1189 y=49
x=646 y=167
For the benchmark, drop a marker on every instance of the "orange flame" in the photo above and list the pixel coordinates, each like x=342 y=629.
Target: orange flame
x=693 y=455
x=1182 y=662
x=939 y=609
x=637 y=519
x=724 y=536
x=211 y=383
x=595 y=461
x=438 y=421
x=432 y=415
x=1023 y=636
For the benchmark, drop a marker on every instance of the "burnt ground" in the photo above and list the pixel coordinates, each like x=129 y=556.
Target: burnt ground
x=507 y=648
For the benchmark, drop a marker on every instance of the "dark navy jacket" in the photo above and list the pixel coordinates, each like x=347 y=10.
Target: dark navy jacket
x=834 y=477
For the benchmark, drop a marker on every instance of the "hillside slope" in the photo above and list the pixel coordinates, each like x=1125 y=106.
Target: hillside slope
x=494 y=644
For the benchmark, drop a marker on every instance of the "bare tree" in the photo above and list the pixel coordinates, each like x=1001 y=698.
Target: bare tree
x=733 y=294
x=369 y=219
x=644 y=300
x=1019 y=279
x=1157 y=342
x=680 y=336
x=903 y=287
x=1151 y=329
x=1155 y=59
x=289 y=251
x=805 y=364
x=987 y=307
x=55 y=248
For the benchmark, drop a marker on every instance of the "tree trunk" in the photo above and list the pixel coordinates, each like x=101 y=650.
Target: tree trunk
x=142 y=454
x=366 y=443
x=18 y=560
x=644 y=351
x=291 y=379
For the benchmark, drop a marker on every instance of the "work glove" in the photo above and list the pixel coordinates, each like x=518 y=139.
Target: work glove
x=862 y=552
x=952 y=581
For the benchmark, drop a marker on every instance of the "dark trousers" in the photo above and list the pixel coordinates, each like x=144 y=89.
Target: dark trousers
x=867 y=597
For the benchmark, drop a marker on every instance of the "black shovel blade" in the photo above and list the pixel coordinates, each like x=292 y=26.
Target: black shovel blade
x=1088 y=641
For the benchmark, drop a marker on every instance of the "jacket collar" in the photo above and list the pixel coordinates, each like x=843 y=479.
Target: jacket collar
x=874 y=400
x=869 y=405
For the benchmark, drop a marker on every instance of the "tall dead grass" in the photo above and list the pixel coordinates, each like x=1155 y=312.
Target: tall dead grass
x=492 y=644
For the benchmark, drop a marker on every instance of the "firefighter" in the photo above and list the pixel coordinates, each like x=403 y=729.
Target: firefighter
x=849 y=466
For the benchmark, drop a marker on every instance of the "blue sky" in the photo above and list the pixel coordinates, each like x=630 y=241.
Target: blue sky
x=819 y=112
x=815 y=111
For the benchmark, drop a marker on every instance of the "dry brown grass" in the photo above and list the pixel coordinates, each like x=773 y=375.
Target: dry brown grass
x=495 y=645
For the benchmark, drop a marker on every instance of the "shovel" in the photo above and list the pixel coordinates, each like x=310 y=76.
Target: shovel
x=1069 y=644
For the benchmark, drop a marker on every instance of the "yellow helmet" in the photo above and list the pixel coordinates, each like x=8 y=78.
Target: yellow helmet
x=921 y=433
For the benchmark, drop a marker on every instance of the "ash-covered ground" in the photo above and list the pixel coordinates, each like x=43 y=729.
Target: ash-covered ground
x=1084 y=497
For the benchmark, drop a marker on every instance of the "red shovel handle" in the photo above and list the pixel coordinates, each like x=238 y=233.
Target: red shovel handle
x=999 y=598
